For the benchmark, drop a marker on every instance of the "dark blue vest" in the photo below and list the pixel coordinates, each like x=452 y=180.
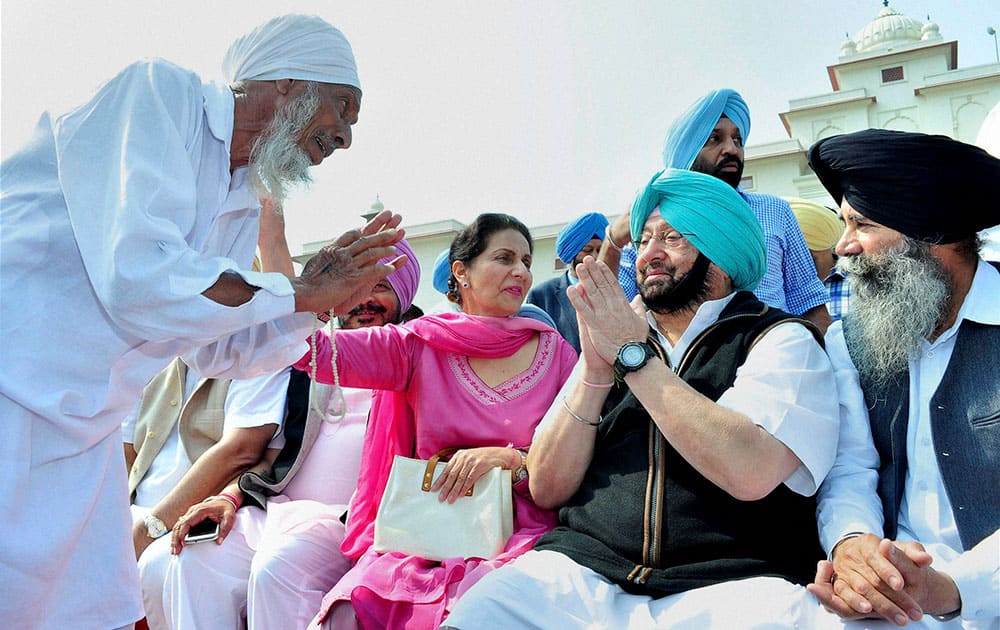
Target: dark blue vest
x=965 y=424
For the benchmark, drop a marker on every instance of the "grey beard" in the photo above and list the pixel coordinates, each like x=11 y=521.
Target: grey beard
x=277 y=162
x=898 y=298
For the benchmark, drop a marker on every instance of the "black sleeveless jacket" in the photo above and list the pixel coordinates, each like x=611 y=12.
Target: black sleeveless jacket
x=648 y=521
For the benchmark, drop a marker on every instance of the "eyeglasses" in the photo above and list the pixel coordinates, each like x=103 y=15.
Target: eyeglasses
x=670 y=240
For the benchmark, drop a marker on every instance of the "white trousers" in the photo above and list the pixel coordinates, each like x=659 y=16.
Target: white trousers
x=547 y=590
x=277 y=586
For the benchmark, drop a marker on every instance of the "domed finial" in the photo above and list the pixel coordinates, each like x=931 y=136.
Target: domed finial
x=378 y=206
x=885 y=3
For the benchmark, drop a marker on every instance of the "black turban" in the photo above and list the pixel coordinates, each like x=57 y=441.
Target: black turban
x=930 y=188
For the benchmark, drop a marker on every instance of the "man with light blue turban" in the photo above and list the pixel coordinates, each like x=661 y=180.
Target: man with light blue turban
x=579 y=238
x=685 y=428
x=138 y=212
x=709 y=138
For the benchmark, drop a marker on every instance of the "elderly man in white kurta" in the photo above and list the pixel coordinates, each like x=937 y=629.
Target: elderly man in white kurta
x=136 y=214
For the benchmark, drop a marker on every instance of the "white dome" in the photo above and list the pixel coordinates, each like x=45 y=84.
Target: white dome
x=931 y=31
x=378 y=206
x=891 y=30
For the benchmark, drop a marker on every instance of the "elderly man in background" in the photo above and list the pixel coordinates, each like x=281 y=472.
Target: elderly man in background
x=137 y=213
x=822 y=228
x=578 y=239
x=709 y=138
x=910 y=512
x=683 y=437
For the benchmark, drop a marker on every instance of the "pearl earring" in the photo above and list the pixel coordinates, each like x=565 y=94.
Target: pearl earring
x=465 y=285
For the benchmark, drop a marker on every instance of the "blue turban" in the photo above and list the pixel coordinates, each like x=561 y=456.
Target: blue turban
x=577 y=234
x=712 y=215
x=533 y=312
x=442 y=271
x=688 y=134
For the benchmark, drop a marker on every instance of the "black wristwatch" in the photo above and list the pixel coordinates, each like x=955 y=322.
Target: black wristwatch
x=632 y=356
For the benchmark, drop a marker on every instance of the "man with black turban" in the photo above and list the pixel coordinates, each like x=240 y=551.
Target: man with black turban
x=910 y=513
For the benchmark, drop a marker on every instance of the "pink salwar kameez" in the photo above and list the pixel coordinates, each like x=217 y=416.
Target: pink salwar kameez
x=435 y=400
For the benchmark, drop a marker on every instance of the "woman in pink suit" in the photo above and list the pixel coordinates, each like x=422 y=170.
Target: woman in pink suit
x=480 y=379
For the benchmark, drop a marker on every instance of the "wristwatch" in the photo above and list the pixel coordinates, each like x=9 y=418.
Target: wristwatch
x=521 y=471
x=155 y=527
x=632 y=356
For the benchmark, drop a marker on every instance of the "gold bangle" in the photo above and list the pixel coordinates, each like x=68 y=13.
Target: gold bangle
x=578 y=418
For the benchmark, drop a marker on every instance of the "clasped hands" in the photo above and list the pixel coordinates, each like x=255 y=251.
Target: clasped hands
x=607 y=321
x=879 y=578
x=344 y=272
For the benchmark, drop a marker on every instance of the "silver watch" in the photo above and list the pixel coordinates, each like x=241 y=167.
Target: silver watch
x=155 y=527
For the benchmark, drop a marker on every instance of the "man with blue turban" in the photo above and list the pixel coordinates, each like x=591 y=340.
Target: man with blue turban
x=683 y=433
x=137 y=213
x=709 y=138
x=581 y=237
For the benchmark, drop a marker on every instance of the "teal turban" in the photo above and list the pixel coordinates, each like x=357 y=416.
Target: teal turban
x=577 y=234
x=710 y=214
x=688 y=134
x=442 y=272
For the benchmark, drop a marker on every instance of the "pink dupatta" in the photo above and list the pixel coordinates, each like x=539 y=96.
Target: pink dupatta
x=391 y=429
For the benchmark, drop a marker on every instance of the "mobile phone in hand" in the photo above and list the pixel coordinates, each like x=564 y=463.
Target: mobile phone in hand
x=202 y=531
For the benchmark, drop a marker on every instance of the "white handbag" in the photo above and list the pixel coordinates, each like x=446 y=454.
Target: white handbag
x=411 y=520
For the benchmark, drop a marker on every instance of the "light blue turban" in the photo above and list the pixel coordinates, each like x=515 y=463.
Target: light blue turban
x=688 y=134
x=577 y=234
x=303 y=47
x=442 y=271
x=712 y=215
x=533 y=312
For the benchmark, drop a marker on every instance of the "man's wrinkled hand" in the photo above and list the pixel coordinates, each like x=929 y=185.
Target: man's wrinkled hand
x=345 y=271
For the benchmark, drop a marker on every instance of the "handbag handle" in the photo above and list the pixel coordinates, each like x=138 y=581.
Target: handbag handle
x=432 y=464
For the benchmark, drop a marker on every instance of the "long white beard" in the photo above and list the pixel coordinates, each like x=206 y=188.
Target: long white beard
x=898 y=298
x=277 y=162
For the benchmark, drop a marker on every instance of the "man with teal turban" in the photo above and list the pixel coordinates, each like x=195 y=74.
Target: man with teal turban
x=681 y=434
x=581 y=237
x=709 y=138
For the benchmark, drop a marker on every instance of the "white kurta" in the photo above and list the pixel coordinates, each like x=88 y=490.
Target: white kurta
x=115 y=216
x=848 y=499
x=274 y=567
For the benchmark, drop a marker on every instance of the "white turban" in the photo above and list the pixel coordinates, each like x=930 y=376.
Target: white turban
x=302 y=47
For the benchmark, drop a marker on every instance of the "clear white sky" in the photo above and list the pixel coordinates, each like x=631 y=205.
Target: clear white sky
x=545 y=110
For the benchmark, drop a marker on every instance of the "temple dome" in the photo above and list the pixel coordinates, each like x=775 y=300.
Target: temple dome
x=891 y=30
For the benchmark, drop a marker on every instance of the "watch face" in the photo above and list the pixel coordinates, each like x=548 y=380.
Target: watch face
x=155 y=526
x=633 y=355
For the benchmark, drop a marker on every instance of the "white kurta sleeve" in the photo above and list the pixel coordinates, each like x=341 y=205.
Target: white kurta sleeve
x=848 y=499
x=131 y=164
x=977 y=574
x=257 y=401
x=786 y=387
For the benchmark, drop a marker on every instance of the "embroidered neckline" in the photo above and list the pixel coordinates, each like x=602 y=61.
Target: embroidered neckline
x=512 y=388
